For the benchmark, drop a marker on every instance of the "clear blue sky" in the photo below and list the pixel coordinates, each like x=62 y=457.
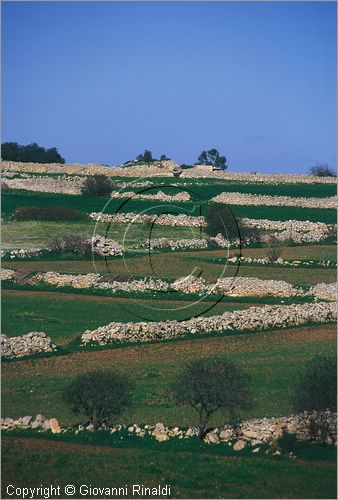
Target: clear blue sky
x=104 y=81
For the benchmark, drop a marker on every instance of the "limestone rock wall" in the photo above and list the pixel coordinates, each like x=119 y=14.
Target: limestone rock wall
x=254 y=318
x=31 y=343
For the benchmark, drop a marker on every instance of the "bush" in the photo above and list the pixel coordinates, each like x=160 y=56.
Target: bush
x=316 y=388
x=4 y=187
x=100 y=395
x=287 y=442
x=97 y=185
x=220 y=219
x=71 y=243
x=322 y=170
x=273 y=249
x=49 y=213
x=210 y=385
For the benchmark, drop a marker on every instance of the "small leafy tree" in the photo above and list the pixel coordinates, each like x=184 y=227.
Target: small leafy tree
x=212 y=157
x=322 y=170
x=100 y=395
x=220 y=220
x=273 y=249
x=316 y=389
x=97 y=185
x=209 y=385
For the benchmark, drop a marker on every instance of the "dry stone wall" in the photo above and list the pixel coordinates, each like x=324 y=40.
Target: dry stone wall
x=288 y=201
x=163 y=170
x=230 y=287
x=254 y=318
x=31 y=343
x=253 y=433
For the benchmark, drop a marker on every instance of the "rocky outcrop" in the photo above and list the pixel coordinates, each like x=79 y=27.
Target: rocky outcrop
x=287 y=201
x=254 y=318
x=31 y=343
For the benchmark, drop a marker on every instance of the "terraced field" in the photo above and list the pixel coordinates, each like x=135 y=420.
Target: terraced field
x=274 y=357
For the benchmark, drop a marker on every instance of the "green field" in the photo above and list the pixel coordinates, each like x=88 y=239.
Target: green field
x=14 y=199
x=274 y=359
x=192 y=470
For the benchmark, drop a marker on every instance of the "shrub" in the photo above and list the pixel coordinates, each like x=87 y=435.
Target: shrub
x=100 y=395
x=287 y=442
x=220 y=219
x=322 y=170
x=4 y=187
x=71 y=243
x=209 y=385
x=273 y=249
x=316 y=388
x=49 y=213
x=97 y=185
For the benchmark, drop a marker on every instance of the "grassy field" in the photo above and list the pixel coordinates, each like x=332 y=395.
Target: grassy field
x=274 y=360
x=62 y=316
x=14 y=199
x=208 y=472
x=174 y=265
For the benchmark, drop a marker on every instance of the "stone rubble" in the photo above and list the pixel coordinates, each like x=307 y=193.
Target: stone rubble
x=161 y=220
x=296 y=230
x=253 y=318
x=252 y=433
x=281 y=262
x=324 y=291
x=31 y=343
x=162 y=169
x=45 y=184
x=230 y=287
x=105 y=246
x=181 y=196
x=266 y=200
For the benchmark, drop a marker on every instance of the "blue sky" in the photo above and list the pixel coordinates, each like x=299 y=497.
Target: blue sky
x=104 y=81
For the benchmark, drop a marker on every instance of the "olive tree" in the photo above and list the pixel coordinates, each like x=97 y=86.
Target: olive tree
x=211 y=385
x=100 y=395
x=97 y=185
x=316 y=389
x=220 y=219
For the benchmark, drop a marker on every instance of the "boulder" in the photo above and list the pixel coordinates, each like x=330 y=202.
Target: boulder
x=54 y=425
x=239 y=445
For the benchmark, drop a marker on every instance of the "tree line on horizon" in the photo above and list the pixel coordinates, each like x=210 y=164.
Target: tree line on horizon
x=12 y=151
x=33 y=153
